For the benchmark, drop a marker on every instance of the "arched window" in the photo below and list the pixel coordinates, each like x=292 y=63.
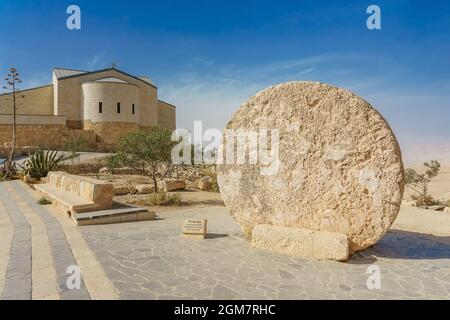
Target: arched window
x=100 y=107
x=118 y=107
x=132 y=109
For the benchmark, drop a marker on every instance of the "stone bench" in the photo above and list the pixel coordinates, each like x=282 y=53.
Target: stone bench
x=75 y=193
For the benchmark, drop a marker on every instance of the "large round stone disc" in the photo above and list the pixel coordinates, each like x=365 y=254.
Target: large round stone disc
x=339 y=168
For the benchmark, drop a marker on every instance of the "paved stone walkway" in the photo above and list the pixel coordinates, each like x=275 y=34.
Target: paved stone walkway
x=149 y=260
x=17 y=283
x=41 y=251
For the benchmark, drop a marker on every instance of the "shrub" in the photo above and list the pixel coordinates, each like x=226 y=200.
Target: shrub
x=419 y=183
x=156 y=199
x=44 y=201
x=8 y=170
x=426 y=201
x=164 y=199
x=39 y=164
x=173 y=200
x=147 y=151
x=75 y=144
x=113 y=161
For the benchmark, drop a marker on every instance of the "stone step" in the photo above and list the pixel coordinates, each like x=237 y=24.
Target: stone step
x=69 y=201
x=122 y=214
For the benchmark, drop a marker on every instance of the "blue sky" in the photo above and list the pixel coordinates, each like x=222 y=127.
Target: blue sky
x=207 y=57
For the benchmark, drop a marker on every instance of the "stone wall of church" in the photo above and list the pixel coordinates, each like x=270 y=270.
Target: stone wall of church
x=166 y=115
x=44 y=136
x=69 y=96
x=109 y=94
x=37 y=101
x=109 y=134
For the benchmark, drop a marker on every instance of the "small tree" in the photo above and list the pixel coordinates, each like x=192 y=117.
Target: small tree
x=147 y=151
x=419 y=182
x=113 y=161
x=12 y=80
x=74 y=145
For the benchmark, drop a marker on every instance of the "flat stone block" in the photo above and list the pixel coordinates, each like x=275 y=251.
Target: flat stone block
x=145 y=188
x=101 y=220
x=128 y=217
x=116 y=217
x=298 y=242
x=194 y=236
x=173 y=185
x=194 y=228
x=147 y=215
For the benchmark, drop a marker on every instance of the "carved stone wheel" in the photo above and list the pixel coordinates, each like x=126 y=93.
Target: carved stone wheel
x=339 y=169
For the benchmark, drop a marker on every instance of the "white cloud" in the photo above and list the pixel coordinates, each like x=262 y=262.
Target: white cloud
x=95 y=61
x=289 y=65
x=212 y=100
x=214 y=97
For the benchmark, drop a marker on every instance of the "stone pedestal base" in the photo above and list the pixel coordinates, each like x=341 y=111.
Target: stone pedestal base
x=320 y=245
x=194 y=236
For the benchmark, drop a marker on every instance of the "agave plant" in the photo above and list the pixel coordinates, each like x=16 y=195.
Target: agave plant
x=40 y=163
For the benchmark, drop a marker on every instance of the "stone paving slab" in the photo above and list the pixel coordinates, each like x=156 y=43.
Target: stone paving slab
x=44 y=282
x=150 y=260
x=17 y=283
x=59 y=247
x=62 y=233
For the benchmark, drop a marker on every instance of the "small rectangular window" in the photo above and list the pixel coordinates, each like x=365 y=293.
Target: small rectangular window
x=132 y=108
x=118 y=107
x=100 y=107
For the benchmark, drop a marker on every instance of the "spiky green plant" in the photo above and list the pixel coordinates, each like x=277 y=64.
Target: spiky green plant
x=40 y=163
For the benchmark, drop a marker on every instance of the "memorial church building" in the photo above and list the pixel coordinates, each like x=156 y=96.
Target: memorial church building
x=100 y=106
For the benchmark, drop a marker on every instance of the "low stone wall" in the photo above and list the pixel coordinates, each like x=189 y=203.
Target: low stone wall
x=25 y=119
x=74 y=124
x=109 y=134
x=102 y=137
x=5 y=151
x=81 y=168
x=89 y=136
x=43 y=136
